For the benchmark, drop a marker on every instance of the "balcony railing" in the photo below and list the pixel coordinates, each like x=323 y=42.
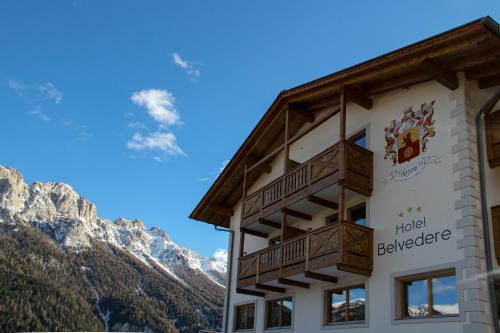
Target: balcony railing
x=343 y=161
x=344 y=244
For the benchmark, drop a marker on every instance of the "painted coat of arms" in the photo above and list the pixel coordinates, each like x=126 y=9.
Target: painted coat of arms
x=407 y=138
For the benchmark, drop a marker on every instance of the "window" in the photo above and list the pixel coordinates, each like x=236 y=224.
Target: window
x=332 y=218
x=359 y=138
x=244 y=316
x=275 y=241
x=279 y=313
x=357 y=214
x=433 y=294
x=345 y=305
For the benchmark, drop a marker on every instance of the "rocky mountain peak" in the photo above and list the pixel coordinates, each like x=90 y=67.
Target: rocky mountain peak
x=72 y=221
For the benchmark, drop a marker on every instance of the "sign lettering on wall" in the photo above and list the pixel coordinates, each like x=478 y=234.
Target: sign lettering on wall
x=412 y=232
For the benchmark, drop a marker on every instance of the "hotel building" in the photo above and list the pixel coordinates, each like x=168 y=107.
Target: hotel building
x=368 y=200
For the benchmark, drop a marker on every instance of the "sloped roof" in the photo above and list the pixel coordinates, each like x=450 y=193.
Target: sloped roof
x=473 y=48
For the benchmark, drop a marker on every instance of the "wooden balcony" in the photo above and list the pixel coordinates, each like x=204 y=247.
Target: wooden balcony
x=343 y=162
x=341 y=247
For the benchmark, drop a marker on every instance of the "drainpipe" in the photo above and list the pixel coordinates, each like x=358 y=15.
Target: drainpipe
x=228 y=275
x=484 y=208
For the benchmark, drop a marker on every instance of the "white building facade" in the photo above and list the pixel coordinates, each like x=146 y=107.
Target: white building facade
x=363 y=201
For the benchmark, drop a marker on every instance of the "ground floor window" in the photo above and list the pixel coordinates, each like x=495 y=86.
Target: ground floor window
x=244 y=317
x=431 y=294
x=279 y=312
x=345 y=305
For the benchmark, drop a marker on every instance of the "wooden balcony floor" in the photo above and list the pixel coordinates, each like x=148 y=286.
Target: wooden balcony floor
x=302 y=205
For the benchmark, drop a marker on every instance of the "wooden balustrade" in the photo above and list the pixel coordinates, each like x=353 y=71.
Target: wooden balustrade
x=351 y=242
x=344 y=160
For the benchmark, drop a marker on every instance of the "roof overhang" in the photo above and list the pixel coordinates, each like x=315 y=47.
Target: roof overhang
x=473 y=48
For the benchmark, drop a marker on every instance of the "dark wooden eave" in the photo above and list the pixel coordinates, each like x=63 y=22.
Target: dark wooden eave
x=473 y=48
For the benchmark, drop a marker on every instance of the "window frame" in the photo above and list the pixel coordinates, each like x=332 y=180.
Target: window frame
x=327 y=321
x=427 y=276
x=246 y=305
x=280 y=320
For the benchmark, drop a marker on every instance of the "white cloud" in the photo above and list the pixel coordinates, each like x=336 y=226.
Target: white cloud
x=36 y=91
x=163 y=141
x=190 y=67
x=204 y=179
x=37 y=112
x=160 y=105
x=220 y=255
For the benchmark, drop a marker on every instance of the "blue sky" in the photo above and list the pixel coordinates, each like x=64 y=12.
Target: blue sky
x=137 y=104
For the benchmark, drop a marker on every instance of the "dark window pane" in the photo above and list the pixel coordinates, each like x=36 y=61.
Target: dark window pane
x=332 y=218
x=444 y=296
x=416 y=298
x=358 y=214
x=240 y=318
x=287 y=312
x=273 y=314
x=338 y=306
x=250 y=316
x=357 y=304
x=361 y=141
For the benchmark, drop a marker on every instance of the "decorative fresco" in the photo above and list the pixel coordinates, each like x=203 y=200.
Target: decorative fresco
x=409 y=138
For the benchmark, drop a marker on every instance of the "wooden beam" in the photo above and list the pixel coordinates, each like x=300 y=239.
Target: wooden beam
x=321 y=277
x=270 y=223
x=341 y=209
x=483 y=71
x=358 y=97
x=250 y=292
x=270 y=288
x=295 y=213
x=242 y=244
x=440 y=74
x=301 y=113
x=294 y=283
x=489 y=81
x=354 y=270
x=256 y=166
x=342 y=121
x=266 y=158
x=253 y=232
x=322 y=202
x=222 y=210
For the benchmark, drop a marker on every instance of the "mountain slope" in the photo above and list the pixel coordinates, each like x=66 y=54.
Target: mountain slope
x=64 y=268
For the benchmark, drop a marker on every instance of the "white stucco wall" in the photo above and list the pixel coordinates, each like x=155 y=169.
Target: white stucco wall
x=433 y=189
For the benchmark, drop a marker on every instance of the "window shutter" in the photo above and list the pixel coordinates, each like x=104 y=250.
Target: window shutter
x=492 y=124
x=495 y=219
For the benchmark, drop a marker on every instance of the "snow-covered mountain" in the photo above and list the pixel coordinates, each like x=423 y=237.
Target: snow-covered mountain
x=72 y=221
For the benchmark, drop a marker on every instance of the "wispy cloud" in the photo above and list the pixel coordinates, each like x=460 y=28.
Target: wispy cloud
x=37 y=112
x=190 y=67
x=223 y=166
x=160 y=105
x=36 y=91
x=163 y=141
x=215 y=173
x=136 y=124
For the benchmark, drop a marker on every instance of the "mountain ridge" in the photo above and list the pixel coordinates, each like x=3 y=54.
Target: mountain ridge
x=62 y=267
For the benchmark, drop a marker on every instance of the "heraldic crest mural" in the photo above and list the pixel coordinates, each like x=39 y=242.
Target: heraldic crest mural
x=407 y=138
